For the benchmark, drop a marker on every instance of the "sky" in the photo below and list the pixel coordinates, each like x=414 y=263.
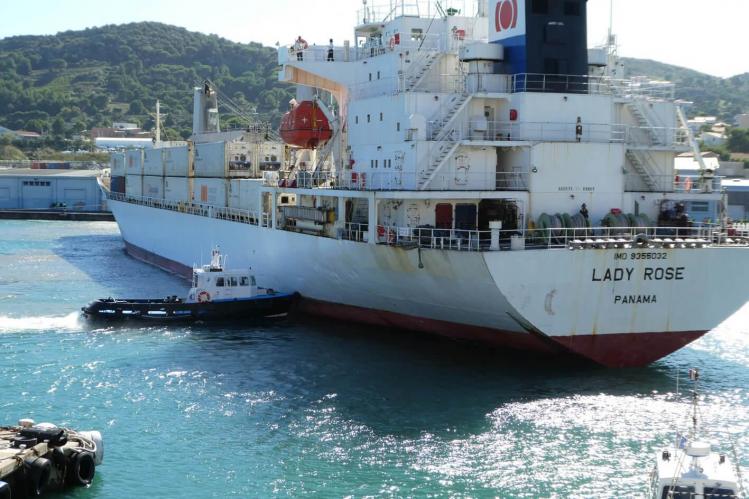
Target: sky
x=706 y=35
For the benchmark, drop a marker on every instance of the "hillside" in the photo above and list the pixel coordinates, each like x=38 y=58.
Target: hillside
x=711 y=95
x=80 y=79
x=77 y=80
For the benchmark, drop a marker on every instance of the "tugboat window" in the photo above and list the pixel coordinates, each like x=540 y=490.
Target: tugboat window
x=715 y=493
x=244 y=281
x=219 y=281
x=678 y=492
x=232 y=281
x=252 y=280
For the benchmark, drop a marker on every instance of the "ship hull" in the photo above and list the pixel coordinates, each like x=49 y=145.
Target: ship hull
x=545 y=301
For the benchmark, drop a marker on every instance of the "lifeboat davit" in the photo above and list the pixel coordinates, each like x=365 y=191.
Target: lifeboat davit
x=306 y=126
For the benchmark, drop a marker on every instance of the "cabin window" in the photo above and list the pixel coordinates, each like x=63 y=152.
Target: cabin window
x=252 y=280
x=356 y=119
x=380 y=116
x=571 y=9
x=370 y=76
x=220 y=282
x=378 y=75
x=716 y=493
x=232 y=281
x=369 y=118
x=244 y=281
x=398 y=127
x=678 y=492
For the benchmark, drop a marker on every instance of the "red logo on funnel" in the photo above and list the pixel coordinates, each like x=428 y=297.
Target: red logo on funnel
x=506 y=15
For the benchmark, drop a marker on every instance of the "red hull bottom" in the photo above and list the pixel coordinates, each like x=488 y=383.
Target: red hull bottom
x=609 y=350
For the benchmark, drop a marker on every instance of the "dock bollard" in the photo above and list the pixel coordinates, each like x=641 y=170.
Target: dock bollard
x=495 y=227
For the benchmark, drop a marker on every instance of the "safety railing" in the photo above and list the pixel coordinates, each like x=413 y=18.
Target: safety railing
x=482 y=130
x=355 y=232
x=585 y=84
x=634 y=182
x=550 y=238
x=457 y=179
x=489 y=240
x=190 y=208
x=659 y=136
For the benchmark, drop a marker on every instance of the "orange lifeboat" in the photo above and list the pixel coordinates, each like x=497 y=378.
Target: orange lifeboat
x=306 y=126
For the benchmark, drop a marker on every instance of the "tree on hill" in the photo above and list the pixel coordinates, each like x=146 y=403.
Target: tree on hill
x=118 y=72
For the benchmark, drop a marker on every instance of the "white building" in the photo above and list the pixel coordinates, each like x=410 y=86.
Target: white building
x=713 y=139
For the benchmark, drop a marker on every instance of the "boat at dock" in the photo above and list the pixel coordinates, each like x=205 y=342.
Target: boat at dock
x=477 y=175
x=216 y=294
x=37 y=458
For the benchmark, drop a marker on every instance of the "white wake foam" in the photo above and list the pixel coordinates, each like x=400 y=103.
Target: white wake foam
x=51 y=323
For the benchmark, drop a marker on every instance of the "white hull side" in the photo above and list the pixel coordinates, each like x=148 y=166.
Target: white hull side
x=552 y=293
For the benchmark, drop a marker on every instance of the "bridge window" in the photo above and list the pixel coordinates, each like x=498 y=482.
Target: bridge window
x=220 y=282
x=244 y=281
x=232 y=281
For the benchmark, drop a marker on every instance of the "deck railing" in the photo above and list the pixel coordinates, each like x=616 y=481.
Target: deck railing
x=487 y=240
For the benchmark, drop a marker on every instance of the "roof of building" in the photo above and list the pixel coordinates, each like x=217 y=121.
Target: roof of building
x=739 y=184
x=29 y=172
x=26 y=133
x=688 y=163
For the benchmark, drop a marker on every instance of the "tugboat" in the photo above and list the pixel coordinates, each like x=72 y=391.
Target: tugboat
x=690 y=468
x=216 y=294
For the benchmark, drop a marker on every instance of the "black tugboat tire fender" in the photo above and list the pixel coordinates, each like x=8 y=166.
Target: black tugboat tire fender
x=38 y=473
x=82 y=469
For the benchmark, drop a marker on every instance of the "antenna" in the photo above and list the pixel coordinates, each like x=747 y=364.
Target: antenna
x=694 y=375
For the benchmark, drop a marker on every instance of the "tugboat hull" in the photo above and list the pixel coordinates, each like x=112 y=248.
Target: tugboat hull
x=270 y=305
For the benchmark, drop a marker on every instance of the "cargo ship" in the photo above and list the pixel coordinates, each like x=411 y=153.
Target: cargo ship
x=479 y=174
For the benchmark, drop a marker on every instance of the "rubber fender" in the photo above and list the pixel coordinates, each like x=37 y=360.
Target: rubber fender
x=38 y=473
x=82 y=469
x=5 y=492
x=96 y=437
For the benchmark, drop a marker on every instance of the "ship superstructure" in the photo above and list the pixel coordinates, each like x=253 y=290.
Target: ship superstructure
x=478 y=175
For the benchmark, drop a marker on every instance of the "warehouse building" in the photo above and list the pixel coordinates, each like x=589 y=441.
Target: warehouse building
x=32 y=189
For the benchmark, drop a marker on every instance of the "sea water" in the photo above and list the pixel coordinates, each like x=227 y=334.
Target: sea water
x=298 y=407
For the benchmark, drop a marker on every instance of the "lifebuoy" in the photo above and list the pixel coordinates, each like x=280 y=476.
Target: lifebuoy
x=204 y=296
x=391 y=44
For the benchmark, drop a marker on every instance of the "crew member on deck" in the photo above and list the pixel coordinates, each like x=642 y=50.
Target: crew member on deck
x=299 y=46
x=579 y=129
x=584 y=212
x=330 y=51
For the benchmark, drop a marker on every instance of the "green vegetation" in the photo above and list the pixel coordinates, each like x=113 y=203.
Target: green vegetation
x=76 y=80
x=712 y=96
